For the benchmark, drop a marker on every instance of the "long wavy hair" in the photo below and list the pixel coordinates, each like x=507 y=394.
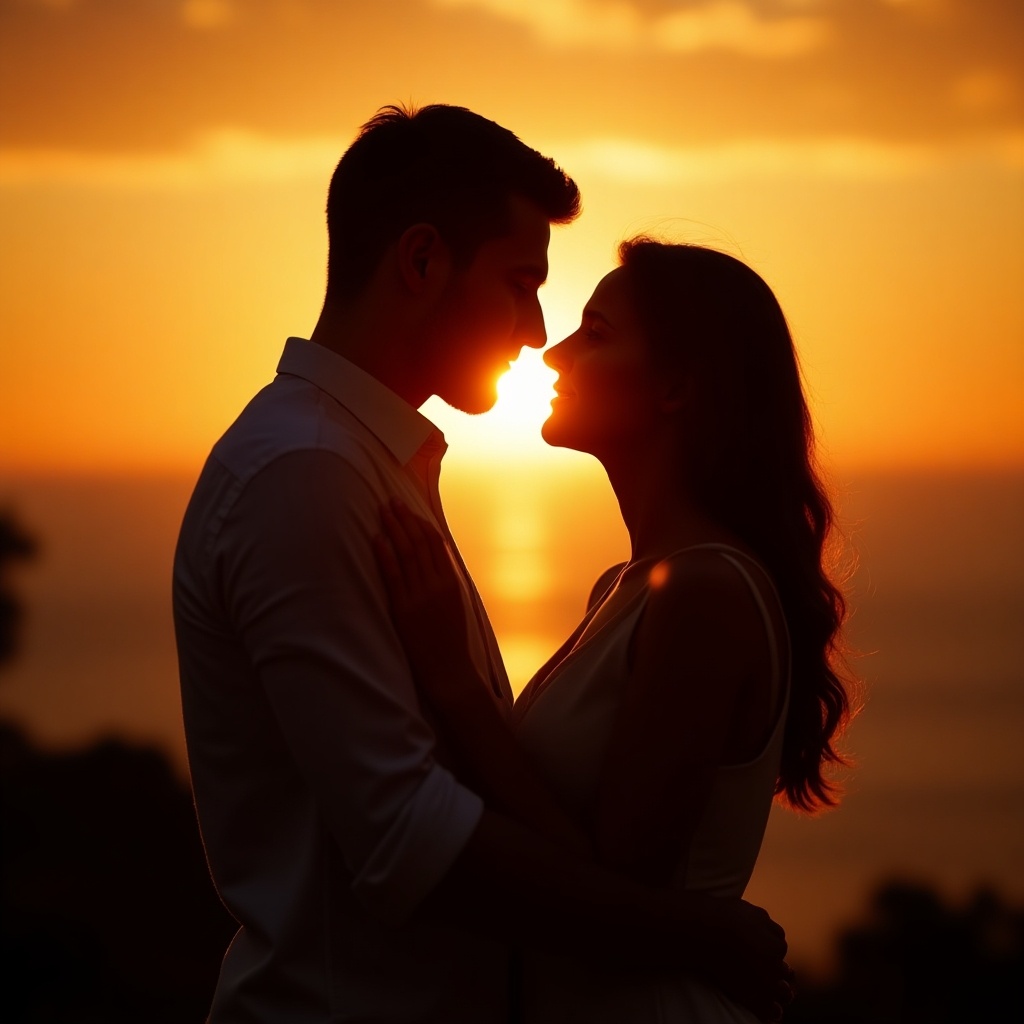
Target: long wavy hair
x=752 y=465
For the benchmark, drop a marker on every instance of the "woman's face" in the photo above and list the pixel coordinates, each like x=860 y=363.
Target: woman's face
x=608 y=393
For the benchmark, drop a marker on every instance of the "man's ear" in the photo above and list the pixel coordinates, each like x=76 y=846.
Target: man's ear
x=423 y=257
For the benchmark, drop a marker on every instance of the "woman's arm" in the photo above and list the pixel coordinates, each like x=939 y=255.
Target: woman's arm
x=427 y=606
x=698 y=696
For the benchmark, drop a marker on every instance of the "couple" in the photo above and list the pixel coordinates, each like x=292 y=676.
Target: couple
x=397 y=843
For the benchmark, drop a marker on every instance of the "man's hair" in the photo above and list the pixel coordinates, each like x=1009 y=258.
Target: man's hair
x=440 y=165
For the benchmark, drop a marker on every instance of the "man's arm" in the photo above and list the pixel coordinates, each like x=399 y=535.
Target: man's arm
x=302 y=591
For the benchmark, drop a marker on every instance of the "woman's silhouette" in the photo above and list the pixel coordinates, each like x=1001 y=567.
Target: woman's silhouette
x=703 y=680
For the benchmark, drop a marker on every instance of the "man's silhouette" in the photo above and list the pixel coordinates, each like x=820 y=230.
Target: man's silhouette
x=368 y=882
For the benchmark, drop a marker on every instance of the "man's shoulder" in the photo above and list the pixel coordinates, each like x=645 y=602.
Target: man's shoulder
x=290 y=416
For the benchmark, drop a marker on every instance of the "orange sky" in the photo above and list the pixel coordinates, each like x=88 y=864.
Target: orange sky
x=163 y=166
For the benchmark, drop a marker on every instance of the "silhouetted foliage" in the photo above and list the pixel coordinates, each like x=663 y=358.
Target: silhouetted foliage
x=919 y=960
x=15 y=545
x=107 y=913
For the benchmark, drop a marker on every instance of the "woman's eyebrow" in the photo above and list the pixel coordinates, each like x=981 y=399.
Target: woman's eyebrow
x=593 y=314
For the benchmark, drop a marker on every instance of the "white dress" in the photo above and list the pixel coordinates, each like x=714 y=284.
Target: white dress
x=564 y=720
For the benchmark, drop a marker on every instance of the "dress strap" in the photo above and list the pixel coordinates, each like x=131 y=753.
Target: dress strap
x=740 y=560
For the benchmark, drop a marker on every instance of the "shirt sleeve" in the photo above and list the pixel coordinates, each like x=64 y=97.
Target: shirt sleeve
x=303 y=591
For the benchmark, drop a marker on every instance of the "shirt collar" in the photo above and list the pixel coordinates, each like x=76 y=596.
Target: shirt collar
x=400 y=428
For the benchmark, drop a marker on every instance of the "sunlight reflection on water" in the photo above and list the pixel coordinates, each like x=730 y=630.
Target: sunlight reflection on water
x=519 y=570
x=524 y=653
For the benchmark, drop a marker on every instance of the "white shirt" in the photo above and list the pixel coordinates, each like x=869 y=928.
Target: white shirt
x=325 y=815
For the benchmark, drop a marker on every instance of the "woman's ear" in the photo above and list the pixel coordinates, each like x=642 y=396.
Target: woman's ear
x=423 y=257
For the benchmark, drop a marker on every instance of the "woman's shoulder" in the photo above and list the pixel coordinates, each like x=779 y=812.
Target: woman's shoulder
x=603 y=583
x=713 y=567
x=714 y=595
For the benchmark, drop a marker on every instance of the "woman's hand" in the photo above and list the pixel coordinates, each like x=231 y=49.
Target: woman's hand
x=427 y=603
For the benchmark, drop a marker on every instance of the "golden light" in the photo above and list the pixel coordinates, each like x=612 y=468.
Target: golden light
x=524 y=394
x=523 y=654
x=520 y=535
x=511 y=430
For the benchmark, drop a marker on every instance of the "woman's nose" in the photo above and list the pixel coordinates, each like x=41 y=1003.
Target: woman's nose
x=555 y=357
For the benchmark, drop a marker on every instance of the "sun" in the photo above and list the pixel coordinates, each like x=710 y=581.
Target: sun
x=524 y=395
x=510 y=431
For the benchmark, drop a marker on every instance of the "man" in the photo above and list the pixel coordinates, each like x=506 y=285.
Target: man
x=369 y=883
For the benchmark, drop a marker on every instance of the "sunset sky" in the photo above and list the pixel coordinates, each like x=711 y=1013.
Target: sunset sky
x=163 y=171
x=163 y=167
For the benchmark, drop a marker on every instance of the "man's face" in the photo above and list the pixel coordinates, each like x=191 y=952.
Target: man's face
x=488 y=311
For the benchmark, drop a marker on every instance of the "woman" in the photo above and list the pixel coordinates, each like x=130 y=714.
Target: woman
x=702 y=681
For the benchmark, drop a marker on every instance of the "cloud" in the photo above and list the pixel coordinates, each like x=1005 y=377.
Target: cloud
x=216 y=158
x=194 y=13
x=231 y=156
x=982 y=90
x=208 y=14
x=56 y=5
x=618 y=25
x=730 y=25
x=607 y=24
x=641 y=163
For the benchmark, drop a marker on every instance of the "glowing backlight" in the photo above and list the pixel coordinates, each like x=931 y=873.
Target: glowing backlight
x=524 y=394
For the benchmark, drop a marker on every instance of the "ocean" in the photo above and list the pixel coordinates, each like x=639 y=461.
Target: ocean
x=937 y=794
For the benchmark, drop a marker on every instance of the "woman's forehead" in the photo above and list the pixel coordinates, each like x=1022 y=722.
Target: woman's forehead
x=610 y=290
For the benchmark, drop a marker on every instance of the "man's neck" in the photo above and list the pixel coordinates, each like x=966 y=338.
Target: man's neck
x=367 y=336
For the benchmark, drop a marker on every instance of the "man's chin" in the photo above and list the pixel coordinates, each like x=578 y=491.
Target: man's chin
x=472 y=404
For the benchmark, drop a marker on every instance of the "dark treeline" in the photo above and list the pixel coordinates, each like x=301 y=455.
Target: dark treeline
x=107 y=912
x=108 y=915
x=920 y=960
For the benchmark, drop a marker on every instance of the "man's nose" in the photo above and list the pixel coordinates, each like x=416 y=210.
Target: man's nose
x=532 y=331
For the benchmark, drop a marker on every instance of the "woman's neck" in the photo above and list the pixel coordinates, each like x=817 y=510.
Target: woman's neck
x=658 y=508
